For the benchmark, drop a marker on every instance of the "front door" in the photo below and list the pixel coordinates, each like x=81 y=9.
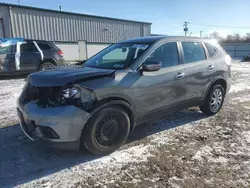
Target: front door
x=161 y=90
x=30 y=57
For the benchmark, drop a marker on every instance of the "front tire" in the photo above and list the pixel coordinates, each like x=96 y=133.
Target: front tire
x=106 y=131
x=214 y=100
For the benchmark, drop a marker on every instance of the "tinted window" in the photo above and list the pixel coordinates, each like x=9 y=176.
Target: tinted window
x=193 y=51
x=44 y=46
x=211 y=49
x=29 y=47
x=167 y=54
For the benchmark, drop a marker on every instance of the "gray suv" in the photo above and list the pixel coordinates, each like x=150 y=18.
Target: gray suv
x=129 y=83
x=26 y=56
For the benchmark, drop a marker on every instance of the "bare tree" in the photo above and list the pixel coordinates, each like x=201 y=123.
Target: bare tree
x=247 y=37
x=215 y=35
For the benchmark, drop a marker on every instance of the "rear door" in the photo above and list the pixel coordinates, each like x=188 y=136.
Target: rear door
x=200 y=69
x=30 y=57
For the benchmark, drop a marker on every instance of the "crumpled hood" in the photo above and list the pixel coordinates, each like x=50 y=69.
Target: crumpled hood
x=61 y=76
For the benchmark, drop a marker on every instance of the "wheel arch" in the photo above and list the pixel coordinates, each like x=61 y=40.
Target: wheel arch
x=117 y=101
x=220 y=81
x=47 y=60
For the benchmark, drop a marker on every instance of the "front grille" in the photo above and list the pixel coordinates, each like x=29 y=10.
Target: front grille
x=48 y=96
x=31 y=93
x=44 y=96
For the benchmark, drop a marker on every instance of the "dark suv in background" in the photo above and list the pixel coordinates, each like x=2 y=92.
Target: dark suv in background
x=26 y=56
x=126 y=84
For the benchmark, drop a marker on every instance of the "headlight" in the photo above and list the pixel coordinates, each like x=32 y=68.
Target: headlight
x=87 y=96
x=71 y=93
x=77 y=96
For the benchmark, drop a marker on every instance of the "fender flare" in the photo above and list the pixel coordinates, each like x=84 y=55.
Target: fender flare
x=117 y=102
x=52 y=60
x=212 y=83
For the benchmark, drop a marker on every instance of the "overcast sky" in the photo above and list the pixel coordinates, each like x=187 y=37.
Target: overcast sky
x=167 y=16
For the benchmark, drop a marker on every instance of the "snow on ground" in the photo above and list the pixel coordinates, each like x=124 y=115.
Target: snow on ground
x=9 y=92
x=186 y=149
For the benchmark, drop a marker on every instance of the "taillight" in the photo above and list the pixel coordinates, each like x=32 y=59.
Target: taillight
x=228 y=60
x=60 y=52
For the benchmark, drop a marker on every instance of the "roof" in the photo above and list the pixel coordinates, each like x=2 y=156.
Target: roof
x=152 y=39
x=71 y=13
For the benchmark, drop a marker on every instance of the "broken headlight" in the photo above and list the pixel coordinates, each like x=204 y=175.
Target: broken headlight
x=77 y=96
x=71 y=93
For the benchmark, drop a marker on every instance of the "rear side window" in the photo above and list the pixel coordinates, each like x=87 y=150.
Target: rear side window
x=44 y=46
x=211 y=49
x=29 y=47
x=193 y=52
x=167 y=54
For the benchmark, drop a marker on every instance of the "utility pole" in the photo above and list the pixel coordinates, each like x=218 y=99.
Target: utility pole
x=201 y=33
x=185 y=25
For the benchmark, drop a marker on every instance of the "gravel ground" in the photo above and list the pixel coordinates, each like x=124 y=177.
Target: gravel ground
x=186 y=149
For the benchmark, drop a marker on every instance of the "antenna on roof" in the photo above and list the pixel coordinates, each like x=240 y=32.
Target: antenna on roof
x=60 y=7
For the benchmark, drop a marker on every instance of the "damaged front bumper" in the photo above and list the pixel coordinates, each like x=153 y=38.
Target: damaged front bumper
x=59 y=127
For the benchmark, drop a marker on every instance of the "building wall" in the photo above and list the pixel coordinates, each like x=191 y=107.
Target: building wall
x=55 y=26
x=92 y=49
x=5 y=23
x=71 y=50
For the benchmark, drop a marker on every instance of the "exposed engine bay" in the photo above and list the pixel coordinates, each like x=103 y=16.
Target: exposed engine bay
x=46 y=97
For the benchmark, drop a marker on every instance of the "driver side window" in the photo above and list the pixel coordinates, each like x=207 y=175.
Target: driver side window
x=167 y=54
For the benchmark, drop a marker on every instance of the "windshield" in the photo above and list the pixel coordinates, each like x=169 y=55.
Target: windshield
x=117 y=56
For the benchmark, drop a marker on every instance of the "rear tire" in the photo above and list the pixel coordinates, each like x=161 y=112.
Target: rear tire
x=46 y=66
x=106 y=131
x=214 y=100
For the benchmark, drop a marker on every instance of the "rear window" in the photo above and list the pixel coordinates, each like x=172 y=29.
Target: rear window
x=28 y=47
x=44 y=46
x=211 y=49
x=193 y=52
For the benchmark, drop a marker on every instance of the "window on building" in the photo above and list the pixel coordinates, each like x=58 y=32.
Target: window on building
x=193 y=52
x=167 y=54
x=29 y=47
x=44 y=46
x=211 y=49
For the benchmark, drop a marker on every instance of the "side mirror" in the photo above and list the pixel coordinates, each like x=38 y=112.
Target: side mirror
x=150 y=66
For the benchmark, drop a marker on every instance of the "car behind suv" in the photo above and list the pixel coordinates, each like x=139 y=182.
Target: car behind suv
x=126 y=84
x=18 y=55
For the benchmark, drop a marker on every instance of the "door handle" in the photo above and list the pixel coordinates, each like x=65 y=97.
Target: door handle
x=211 y=67
x=180 y=75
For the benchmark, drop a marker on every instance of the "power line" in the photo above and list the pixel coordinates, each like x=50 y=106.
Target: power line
x=228 y=26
